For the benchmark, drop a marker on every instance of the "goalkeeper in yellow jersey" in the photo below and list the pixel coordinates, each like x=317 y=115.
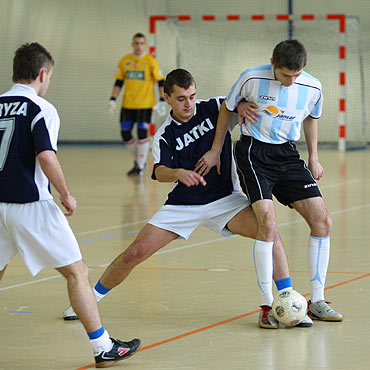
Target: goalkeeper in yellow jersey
x=138 y=71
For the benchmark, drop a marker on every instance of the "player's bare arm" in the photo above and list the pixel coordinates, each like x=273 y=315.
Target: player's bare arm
x=187 y=177
x=310 y=133
x=53 y=171
x=212 y=157
x=248 y=111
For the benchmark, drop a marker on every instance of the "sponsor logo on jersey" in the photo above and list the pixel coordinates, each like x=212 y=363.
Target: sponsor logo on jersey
x=266 y=97
x=194 y=134
x=13 y=109
x=135 y=75
x=273 y=111
x=310 y=185
x=127 y=63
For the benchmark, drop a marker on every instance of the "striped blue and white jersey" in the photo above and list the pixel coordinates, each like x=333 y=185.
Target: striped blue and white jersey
x=29 y=125
x=281 y=109
x=181 y=145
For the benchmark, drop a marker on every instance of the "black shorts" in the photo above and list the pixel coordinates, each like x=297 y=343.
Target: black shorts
x=273 y=169
x=136 y=115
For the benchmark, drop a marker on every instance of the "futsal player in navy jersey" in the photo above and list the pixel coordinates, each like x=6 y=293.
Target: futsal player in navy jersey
x=281 y=96
x=212 y=201
x=31 y=224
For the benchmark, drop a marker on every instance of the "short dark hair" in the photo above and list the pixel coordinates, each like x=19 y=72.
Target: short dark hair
x=28 y=61
x=290 y=54
x=179 y=77
x=138 y=35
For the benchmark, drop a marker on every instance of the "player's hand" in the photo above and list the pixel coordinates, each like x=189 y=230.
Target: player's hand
x=248 y=111
x=160 y=108
x=69 y=203
x=190 y=178
x=112 y=106
x=207 y=161
x=316 y=169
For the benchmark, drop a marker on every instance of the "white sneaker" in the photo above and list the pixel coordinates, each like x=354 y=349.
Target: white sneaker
x=305 y=323
x=322 y=311
x=69 y=314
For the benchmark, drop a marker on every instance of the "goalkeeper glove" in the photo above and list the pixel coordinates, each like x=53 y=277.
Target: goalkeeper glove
x=112 y=105
x=161 y=108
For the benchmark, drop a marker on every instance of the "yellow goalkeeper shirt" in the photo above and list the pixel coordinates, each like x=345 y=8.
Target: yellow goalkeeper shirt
x=139 y=75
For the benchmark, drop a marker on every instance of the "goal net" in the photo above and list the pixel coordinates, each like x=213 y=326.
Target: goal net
x=217 y=51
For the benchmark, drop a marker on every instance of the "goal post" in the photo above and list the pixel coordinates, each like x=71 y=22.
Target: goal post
x=216 y=49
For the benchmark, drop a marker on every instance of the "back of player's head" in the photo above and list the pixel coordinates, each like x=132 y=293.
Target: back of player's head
x=179 y=77
x=28 y=61
x=290 y=54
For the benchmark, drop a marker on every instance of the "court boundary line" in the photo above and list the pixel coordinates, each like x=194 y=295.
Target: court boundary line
x=226 y=321
x=355 y=208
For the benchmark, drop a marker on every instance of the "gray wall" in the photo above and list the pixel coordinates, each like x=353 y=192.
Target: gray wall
x=88 y=37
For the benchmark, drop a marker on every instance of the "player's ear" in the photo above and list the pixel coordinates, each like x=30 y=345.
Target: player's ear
x=272 y=62
x=43 y=73
x=166 y=98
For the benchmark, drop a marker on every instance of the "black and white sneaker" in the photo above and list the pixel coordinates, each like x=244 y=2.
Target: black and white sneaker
x=135 y=171
x=119 y=351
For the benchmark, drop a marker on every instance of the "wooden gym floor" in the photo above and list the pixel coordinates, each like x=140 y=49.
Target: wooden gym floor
x=195 y=303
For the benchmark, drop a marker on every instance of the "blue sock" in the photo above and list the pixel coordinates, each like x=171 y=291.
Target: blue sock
x=283 y=283
x=101 y=288
x=97 y=333
x=100 y=291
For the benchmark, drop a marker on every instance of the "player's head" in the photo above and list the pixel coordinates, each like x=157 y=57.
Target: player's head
x=288 y=58
x=179 y=92
x=138 y=43
x=33 y=62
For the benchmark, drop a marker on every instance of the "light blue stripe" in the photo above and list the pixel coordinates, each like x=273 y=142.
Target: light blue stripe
x=275 y=130
x=283 y=97
x=302 y=97
x=263 y=89
x=317 y=274
x=231 y=93
x=316 y=109
x=294 y=130
x=259 y=68
x=256 y=128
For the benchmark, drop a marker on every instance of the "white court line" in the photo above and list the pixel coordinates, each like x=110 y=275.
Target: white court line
x=110 y=227
x=193 y=245
x=144 y=221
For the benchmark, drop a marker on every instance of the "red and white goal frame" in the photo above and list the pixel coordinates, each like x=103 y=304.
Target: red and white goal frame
x=340 y=18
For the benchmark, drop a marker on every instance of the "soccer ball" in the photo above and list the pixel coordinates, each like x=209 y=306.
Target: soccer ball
x=289 y=307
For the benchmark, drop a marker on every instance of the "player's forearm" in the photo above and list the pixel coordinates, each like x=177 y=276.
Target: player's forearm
x=53 y=171
x=116 y=91
x=166 y=174
x=223 y=123
x=310 y=133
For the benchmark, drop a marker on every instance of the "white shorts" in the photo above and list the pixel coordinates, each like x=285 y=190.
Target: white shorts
x=39 y=232
x=183 y=220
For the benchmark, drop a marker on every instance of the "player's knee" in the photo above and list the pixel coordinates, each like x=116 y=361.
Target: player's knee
x=76 y=271
x=142 y=133
x=134 y=255
x=268 y=229
x=126 y=135
x=322 y=225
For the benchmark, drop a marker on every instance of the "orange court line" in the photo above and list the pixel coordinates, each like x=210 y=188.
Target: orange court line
x=224 y=322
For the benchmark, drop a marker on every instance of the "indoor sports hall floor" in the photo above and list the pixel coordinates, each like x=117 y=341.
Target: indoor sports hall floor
x=195 y=303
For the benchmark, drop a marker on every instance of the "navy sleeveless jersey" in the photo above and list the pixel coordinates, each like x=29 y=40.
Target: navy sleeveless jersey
x=29 y=125
x=180 y=145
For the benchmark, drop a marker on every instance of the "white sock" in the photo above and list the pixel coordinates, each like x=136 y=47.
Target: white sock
x=103 y=343
x=143 y=147
x=262 y=257
x=98 y=296
x=318 y=262
x=132 y=146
